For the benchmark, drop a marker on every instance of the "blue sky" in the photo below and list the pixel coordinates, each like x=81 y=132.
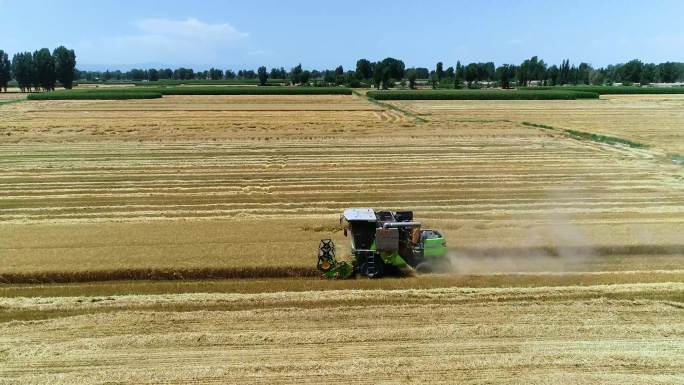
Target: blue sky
x=319 y=34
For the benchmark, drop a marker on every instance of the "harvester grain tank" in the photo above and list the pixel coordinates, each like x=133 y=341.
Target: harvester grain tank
x=383 y=242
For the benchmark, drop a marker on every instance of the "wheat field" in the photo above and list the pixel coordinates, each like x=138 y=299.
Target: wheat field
x=173 y=241
x=592 y=335
x=231 y=182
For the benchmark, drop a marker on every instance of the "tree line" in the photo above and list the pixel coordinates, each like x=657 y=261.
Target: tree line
x=390 y=71
x=39 y=70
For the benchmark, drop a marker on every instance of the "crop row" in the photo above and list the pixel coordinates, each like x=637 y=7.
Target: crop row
x=610 y=90
x=158 y=92
x=481 y=95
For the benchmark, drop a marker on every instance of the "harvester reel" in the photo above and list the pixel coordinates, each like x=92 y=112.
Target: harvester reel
x=326 y=255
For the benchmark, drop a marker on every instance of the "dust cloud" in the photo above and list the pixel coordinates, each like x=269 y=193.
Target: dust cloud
x=557 y=246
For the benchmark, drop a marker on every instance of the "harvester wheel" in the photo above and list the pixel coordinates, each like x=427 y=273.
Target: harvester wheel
x=444 y=266
x=424 y=268
x=375 y=269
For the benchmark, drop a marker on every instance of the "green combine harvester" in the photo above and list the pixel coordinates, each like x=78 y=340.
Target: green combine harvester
x=383 y=242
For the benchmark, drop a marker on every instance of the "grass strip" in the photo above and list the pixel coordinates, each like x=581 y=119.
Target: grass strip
x=581 y=135
x=115 y=94
x=609 y=90
x=10 y=101
x=480 y=95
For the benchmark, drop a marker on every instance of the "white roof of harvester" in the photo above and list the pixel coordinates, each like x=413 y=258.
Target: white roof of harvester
x=362 y=214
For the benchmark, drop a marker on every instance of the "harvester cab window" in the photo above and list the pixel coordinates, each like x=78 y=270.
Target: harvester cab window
x=363 y=233
x=384 y=216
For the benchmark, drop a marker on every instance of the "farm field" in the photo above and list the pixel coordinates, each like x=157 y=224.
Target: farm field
x=654 y=120
x=230 y=182
x=553 y=239
x=583 y=335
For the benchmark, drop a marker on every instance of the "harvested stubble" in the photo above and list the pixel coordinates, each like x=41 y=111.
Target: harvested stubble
x=480 y=95
x=652 y=120
x=509 y=336
x=274 y=285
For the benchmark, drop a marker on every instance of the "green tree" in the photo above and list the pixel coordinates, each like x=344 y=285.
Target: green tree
x=263 y=75
x=459 y=75
x=377 y=75
x=504 y=74
x=152 y=75
x=471 y=73
x=564 y=73
x=439 y=71
x=64 y=65
x=296 y=74
x=339 y=76
x=597 y=77
x=531 y=69
x=649 y=74
x=434 y=81
x=386 y=76
x=215 y=74
x=584 y=73
x=412 y=75
x=422 y=73
x=669 y=72
x=305 y=76
x=552 y=75
x=364 y=69
x=631 y=71
x=23 y=70
x=394 y=66
x=5 y=70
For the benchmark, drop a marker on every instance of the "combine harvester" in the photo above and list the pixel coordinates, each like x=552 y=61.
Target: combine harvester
x=383 y=242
